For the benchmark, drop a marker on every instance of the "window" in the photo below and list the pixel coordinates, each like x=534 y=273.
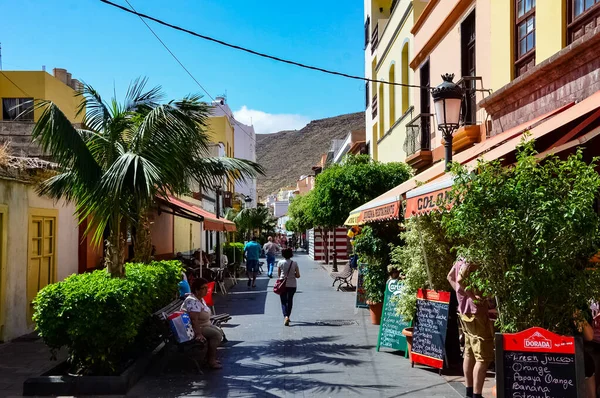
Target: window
x=467 y=31
x=525 y=36
x=405 y=68
x=584 y=16
x=392 y=88
x=425 y=103
x=381 y=112
x=367 y=28
x=17 y=109
x=42 y=253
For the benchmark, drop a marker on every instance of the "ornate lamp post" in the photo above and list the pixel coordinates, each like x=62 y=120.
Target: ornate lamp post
x=447 y=100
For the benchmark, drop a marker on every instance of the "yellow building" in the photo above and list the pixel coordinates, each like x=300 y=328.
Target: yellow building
x=19 y=88
x=388 y=50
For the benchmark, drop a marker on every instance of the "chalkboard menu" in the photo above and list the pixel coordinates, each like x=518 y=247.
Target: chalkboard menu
x=429 y=334
x=391 y=326
x=538 y=363
x=361 y=298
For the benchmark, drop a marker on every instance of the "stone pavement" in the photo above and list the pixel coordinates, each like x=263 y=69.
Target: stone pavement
x=329 y=350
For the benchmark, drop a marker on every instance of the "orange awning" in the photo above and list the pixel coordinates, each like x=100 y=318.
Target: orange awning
x=428 y=197
x=390 y=211
x=195 y=213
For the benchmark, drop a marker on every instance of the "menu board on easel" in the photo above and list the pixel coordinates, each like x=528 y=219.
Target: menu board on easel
x=539 y=363
x=392 y=324
x=431 y=323
x=361 y=298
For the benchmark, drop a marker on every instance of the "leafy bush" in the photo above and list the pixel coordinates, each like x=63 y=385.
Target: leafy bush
x=531 y=229
x=372 y=248
x=100 y=318
x=230 y=247
x=409 y=258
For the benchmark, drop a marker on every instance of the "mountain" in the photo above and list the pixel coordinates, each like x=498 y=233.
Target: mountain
x=287 y=155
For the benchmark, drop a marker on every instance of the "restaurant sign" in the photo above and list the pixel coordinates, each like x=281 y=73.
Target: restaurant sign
x=426 y=203
x=380 y=213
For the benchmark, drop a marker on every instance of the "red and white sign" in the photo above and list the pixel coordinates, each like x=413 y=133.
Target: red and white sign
x=538 y=340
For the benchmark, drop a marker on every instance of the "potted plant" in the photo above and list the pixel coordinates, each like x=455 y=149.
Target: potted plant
x=373 y=250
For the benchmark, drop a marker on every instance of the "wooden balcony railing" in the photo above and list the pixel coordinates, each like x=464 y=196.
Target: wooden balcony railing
x=374 y=38
x=374 y=107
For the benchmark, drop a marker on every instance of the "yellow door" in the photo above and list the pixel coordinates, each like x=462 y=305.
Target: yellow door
x=42 y=256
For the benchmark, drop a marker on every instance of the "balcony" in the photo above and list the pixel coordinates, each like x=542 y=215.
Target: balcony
x=417 y=144
x=227 y=199
x=374 y=38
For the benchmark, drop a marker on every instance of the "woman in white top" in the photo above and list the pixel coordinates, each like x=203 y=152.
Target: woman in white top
x=288 y=269
x=199 y=313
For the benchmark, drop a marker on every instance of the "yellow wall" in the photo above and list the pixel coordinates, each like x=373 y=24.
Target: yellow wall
x=550 y=29
x=502 y=43
x=182 y=228
x=220 y=130
x=39 y=85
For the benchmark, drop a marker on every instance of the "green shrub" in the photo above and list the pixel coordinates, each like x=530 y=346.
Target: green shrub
x=230 y=248
x=101 y=319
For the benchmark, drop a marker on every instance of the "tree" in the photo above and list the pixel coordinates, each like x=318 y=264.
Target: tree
x=343 y=187
x=126 y=155
x=531 y=229
x=299 y=212
x=255 y=220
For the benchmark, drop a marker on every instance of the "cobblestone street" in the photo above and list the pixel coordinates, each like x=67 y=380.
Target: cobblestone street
x=311 y=358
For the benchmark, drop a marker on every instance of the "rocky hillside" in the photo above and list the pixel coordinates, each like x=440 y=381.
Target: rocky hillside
x=287 y=155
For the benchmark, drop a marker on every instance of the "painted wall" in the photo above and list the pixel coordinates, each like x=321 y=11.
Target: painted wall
x=161 y=231
x=245 y=148
x=40 y=85
x=187 y=235
x=502 y=42
x=19 y=199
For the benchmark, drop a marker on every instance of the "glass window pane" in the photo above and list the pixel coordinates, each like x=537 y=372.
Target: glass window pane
x=530 y=41
x=522 y=30
x=529 y=25
x=588 y=3
x=527 y=5
x=578 y=7
x=522 y=47
x=521 y=8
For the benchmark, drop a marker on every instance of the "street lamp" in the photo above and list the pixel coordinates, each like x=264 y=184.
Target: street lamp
x=447 y=100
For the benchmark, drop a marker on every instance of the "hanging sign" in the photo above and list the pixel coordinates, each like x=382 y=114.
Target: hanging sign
x=538 y=363
x=392 y=324
x=431 y=323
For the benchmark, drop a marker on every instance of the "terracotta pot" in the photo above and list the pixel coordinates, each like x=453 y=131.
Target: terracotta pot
x=408 y=333
x=376 y=312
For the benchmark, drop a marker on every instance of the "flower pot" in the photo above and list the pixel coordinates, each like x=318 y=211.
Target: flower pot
x=408 y=333
x=375 y=309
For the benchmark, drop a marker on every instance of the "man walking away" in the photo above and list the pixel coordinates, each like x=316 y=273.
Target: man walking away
x=270 y=249
x=475 y=321
x=252 y=253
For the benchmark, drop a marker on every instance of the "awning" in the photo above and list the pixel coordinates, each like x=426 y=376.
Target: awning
x=353 y=219
x=386 y=212
x=490 y=149
x=428 y=197
x=192 y=212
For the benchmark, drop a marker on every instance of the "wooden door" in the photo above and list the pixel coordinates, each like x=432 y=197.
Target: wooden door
x=42 y=256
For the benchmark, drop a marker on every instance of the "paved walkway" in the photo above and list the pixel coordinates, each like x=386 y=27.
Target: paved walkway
x=318 y=356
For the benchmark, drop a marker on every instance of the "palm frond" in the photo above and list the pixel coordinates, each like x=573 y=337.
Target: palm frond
x=136 y=99
x=95 y=112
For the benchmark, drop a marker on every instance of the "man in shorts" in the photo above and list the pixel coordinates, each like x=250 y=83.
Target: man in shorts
x=477 y=328
x=252 y=251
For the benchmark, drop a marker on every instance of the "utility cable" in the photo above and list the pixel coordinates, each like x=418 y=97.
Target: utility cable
x=133 y=11
x=257 y=53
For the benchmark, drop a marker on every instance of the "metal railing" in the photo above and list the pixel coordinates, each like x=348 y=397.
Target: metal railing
x=468 y=112
x=374 y=107
x=418 y=134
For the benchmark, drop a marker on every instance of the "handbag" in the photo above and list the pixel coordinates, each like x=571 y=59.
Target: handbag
x=279 y=287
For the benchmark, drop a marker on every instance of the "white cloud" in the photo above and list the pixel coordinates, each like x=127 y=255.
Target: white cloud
x=266 y=123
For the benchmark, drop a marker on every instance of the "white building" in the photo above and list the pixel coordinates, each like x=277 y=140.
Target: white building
x=245 y=148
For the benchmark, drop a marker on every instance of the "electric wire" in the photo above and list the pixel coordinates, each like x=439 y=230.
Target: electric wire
x=184 y=68
x=257 y=53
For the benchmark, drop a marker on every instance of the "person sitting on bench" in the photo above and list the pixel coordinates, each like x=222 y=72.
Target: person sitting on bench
x=199 y=313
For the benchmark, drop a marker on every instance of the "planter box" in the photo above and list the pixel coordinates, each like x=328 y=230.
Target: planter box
x=51 y=384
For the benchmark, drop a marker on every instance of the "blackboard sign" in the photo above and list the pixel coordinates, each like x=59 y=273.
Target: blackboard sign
x=538 y=363
x=391 y=326
x=361 y=298
x=429 y=334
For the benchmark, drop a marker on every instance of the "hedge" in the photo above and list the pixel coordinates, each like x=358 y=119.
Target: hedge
x=100 y=319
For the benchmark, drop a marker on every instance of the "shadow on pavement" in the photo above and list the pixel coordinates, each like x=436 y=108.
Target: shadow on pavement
x=273 y=368
x=242 y=300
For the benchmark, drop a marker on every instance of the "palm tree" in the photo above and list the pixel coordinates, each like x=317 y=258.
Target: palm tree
x=255 y=219
x=127 y=155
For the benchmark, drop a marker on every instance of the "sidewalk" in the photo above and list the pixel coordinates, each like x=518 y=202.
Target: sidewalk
x=329 y=350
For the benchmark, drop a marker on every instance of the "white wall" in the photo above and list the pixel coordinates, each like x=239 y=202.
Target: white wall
x=20 y=198
x=245 y=148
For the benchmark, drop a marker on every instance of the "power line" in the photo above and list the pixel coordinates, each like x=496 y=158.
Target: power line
x=257 y=53
x=133 y=11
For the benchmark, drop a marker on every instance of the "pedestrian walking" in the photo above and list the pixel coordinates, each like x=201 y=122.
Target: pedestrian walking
x=288 y=269
x=477 y=328
x=252 y=251
x=271 y=249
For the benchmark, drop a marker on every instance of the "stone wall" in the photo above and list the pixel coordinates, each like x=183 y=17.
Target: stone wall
x=570 y=75
x=18 y=134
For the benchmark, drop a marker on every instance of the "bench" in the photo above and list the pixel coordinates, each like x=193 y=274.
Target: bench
x=161 y=318
x=343 y=277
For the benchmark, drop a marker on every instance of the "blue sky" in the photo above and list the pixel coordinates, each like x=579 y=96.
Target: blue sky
x=108 y=48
